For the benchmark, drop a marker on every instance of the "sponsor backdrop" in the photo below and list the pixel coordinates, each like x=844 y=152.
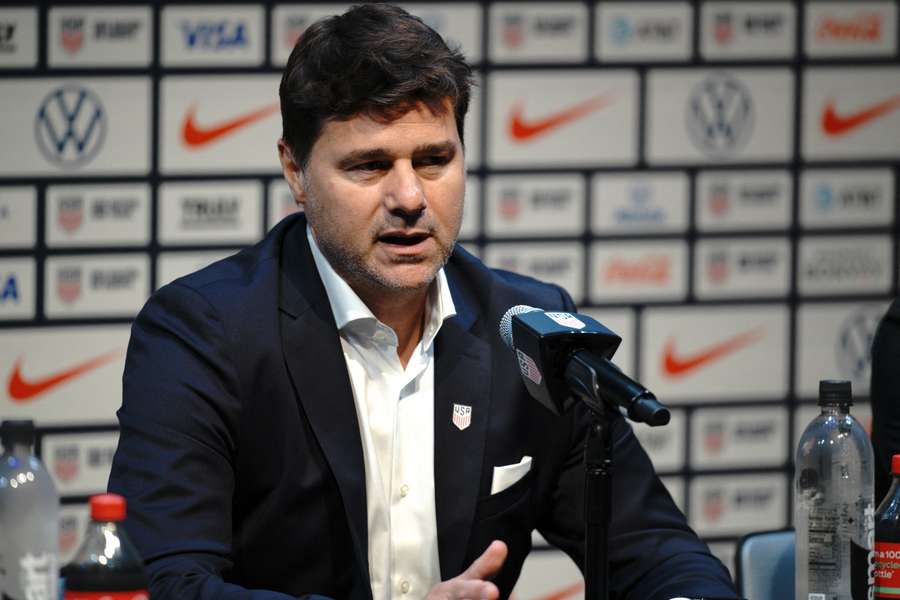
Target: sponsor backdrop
x=716 y=181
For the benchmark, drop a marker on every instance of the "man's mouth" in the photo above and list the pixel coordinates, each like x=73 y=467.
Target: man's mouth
x=403 y=239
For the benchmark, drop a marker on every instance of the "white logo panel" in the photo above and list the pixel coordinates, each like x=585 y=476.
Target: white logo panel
x=719 y=116
x=459 y=23
x=17 y=288
x=72 y=127
x=850 y=29
x=98 y=215
x=73 y=522
x=629 y=203
x=747 y=31
x=212 y=36
x=561 y=263
x=549 y=574
x=628 y=31
x=834 y=341
x=281 y=202
x=18 y=216
x=564 y=118
x=664 y=445
x=839 y=198
x=622 y=323
x=210 y=212
x=18 y=37
x=736 y=504
x=219 y=124
x=739 y=437
x=851 y=113
x=97 y=36
x=743 y=200
x=79 y=463
x=172 y=265
x=638 y=271
x=471 y=219
x=742 y=268
x=108 y=285
x=290 y=21
x=692 y=354
x=30 y=356
x=844 y=265
x=545 y=32
x=538 y=205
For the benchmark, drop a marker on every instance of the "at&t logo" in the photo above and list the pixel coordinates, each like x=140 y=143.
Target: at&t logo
x=70 y=126
x=720 y=115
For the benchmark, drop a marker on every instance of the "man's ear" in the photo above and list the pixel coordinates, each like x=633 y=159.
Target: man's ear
x=292 y=172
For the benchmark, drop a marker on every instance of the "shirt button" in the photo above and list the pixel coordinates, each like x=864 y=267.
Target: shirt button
x=404 y=490
x=404 y=587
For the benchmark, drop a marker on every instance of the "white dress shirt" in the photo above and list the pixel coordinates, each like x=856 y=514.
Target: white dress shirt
x=395 y=409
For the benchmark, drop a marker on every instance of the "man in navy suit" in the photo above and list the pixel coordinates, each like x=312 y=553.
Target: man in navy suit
x=332 y=412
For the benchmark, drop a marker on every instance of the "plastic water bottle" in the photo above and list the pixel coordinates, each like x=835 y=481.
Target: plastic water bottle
x=29 y=519
x=887 y=539
x=834 y=512
x=107 y=566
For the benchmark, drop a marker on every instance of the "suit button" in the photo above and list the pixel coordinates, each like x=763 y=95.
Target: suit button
x=404 y=490
x=404 y=587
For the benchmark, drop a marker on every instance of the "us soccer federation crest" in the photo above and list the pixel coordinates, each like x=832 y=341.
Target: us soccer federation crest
x=462 y=416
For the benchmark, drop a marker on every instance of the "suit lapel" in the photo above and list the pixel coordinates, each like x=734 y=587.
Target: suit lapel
x=462 y=376
x=316 y=364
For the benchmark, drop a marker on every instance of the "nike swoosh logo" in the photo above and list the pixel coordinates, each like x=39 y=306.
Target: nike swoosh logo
x=562 y=594
x=195 y=136
x=22 y=390
x=678 y=366
x=834 y=124
x=521 y=130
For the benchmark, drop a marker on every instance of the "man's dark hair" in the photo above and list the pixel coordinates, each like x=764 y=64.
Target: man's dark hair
x=375 y=60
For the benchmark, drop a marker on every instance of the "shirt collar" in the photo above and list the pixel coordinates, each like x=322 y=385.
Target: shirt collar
x=348 y=308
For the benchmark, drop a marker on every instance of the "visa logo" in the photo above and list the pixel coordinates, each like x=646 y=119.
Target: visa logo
x=10 y=290
x=214 y=35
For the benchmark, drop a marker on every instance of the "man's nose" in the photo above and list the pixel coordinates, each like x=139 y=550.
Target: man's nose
x=403 y=190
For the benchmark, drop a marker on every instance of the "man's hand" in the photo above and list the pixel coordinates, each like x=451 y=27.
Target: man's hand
x=471 y=584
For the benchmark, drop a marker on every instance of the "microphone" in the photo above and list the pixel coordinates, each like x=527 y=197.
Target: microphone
x=561 y=354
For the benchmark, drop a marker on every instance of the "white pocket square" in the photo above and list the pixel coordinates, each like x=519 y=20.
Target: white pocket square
x=507 y=475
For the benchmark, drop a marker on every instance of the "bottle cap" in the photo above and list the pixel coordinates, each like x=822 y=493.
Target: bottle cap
x=17 y=432
x=895 y=464
x=835 y=391
x=107 y=507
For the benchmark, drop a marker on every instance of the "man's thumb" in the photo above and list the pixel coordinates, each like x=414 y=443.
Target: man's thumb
x=487 y=565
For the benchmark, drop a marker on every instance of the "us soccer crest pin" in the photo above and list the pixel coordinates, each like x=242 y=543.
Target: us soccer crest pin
x=462 y=416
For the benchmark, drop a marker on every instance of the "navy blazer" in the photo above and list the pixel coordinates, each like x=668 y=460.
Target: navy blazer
x=241 y=460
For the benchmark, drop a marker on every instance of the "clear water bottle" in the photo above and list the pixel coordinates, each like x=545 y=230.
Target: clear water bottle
x=887 y=539
x=107 y=566
x=29 y=519
x=834 y=512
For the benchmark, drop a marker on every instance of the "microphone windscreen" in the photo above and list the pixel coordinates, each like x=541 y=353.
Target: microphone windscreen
x=506 y=322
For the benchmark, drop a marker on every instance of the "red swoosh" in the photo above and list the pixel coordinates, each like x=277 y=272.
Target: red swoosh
x=834 y=124
x=194 y=135
x=677 y=366
x=21 y=390
x=561 y=594
x=521 y=130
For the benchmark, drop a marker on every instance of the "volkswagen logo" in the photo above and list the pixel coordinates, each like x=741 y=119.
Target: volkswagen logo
x=720 y=115
x=70 y=126
x=854 y=343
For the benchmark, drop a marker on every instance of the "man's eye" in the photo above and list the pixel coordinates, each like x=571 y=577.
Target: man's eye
x=433 y=161
x=373 y=165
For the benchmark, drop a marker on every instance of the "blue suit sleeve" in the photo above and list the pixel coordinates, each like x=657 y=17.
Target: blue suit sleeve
x=179 y=425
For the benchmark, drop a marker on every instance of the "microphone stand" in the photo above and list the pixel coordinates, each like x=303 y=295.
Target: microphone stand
x=587 y=378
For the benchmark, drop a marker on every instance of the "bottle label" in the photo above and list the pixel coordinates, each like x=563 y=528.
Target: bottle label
x=887 y=570
x=131 y=595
